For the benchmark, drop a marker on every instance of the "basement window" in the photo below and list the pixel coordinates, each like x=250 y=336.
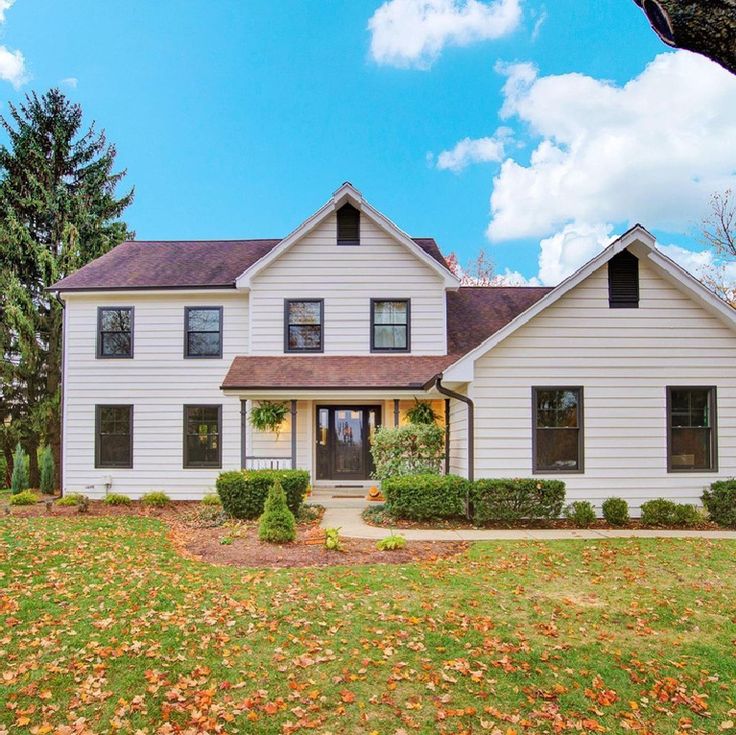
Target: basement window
x=348 y=225
x=623 y=281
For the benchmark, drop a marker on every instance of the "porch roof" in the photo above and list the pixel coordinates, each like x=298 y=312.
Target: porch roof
x=340 y=372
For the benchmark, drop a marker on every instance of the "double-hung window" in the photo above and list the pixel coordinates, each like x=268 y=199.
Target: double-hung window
x=203 y=331
x=691 y=429
x=113 y=436
x=558 y=429
x=114 y=331
x=390 y=330
x=202 y=436
x=303 y=325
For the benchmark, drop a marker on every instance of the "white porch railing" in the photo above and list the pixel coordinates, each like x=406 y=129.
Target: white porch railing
x=268 y=463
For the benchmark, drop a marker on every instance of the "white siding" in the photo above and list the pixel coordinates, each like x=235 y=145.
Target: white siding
x=459 y=437
x=347 y=278
x=624 y=359
x=158 y=381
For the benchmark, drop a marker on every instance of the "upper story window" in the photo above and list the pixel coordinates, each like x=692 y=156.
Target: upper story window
x=691 y=429
x=114 y=436
x=390 y=325
x=623 y=281
x=203 y=331
x=348 y=225
x=115 y=331
x=558 y=429
x=303 y=325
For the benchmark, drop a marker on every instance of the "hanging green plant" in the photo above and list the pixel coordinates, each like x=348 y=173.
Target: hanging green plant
x=268 y=416
x=421 y=413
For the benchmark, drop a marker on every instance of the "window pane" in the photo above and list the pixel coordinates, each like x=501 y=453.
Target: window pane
x=304 y=312
x=113 y=436
x=115 y=320
x=202 y=436
x=690 y=408
x=305 y=337
x=204 y=343
x=691 y=449
x=387 y=337
x=390 y=312
x=557 y=449
x=204 y=320
x=116 y=343
x=557 y=408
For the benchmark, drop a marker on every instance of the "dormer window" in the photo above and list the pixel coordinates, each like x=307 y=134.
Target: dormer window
x=623 y=281
x=348 y=225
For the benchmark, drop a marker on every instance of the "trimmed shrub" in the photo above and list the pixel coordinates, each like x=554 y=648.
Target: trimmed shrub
x=117 y=499
x=19 y=478
x=581 y=513
x=243 y=492
x=616 y=511
x=515 y=500
x=211 y=499
x=687 y=515
x=277 y=524
x=425 y=497
x=391 y=543
x=47 y=472
x=720 y=502
x=664 y=512
x=156 y=499
x=414 y=449
x=70 y=499
x=26 y=497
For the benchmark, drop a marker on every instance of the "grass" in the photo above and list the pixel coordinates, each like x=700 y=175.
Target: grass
x=105 y=621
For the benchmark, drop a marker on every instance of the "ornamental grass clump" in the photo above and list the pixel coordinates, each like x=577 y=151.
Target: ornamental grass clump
x=70 y=499
x=156 y=499
x=26 y=497
x=277 y=525
x=117 y=499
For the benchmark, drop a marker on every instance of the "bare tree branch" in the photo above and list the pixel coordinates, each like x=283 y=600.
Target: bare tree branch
x=719 y=227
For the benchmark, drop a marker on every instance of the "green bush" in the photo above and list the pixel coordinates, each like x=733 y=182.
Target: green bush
x=663 y=512
x=616 y=511
x=425 y=497
x=117 y=499
x=156 y=499
x=211 y=499
x=47 y=472
x=332 y=539
x=19 y=478
x=687 y=515
x=408 y=450
x=391 y=543
x=581 y=513
x=720 y=502
x=70 y=499
x=277 y=524
x=243 y=492
x=26 y=497
x=516 y=500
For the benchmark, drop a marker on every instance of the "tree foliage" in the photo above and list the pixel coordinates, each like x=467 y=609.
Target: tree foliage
x=19 y=481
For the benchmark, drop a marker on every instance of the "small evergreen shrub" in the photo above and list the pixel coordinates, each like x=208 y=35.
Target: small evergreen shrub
x=687 y=515
x=70 y=499
x=425 y=497
x=211 y=499
x=243 y=492
x=581 y=513
x=332 y=539
x=391 y=543
x=720 y=502
x=408 y=450
x=156 y=499
x=47 y=472
x=117 y=499
x=19 y=478
x=660 y=512
x=277 y=524
x=616 y=511
x=26 y=497
x=515 y=500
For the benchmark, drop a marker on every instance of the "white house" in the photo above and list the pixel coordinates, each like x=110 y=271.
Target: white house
x=621 y=380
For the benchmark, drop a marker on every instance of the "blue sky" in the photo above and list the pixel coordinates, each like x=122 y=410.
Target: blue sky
x=238 y=119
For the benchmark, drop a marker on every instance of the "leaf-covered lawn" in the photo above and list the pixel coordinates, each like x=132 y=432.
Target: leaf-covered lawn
x=107 y=629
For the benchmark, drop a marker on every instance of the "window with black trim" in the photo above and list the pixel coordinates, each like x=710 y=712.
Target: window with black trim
x=203 y=331
x=691 y=429
x=348 y=225
x=623 y=281
x=558 y=429
x=303 y=321
x=202 y=436
x=390 y=325
x=113 y=436
x=115 y=331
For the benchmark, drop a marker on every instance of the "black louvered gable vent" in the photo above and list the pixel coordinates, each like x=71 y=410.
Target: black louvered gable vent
x=623 y=281
x=348 y=225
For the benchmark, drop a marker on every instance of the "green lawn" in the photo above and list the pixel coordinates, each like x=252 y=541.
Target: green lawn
x=104 y=621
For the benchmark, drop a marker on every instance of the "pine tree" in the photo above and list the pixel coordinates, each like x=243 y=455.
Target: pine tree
x=277 y=524
x=19 y=481
x=47 y=472
x=58 y=211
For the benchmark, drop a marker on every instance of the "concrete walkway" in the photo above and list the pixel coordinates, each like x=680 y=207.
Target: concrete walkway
x=348 y=519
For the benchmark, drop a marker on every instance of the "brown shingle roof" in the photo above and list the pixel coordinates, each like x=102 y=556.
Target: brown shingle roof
x=180 y=264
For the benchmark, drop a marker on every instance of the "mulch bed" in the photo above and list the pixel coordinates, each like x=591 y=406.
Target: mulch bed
x=242 y=547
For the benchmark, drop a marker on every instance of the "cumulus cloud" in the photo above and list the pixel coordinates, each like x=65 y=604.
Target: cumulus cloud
x=12 y=63
x=652 y=150
x=703 y=264
x=5 y=5
x=413 y=33
x=474 y=150
x=514 y=278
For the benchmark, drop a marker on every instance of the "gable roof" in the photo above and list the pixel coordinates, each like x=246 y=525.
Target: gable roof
x=182 y=264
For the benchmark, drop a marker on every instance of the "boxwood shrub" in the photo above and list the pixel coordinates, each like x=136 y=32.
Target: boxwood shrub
x=720 y=502
x=664 y=512
x=425 y=497
x=243 y=492
x=515 y=500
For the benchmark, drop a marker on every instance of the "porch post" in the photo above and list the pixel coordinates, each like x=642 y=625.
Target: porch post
x=396 y=411
x=447 y=436
x=293 y=434
x=243 y=430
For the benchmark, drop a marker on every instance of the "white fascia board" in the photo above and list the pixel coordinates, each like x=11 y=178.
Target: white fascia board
x=282 y=394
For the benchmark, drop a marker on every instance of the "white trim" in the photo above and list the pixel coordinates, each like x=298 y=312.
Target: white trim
x=347 y=192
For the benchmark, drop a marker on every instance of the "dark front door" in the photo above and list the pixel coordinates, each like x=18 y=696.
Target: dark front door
x=343 y=441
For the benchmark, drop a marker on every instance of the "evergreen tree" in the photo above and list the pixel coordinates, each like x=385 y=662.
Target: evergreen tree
x=47 y=471
x=19 y=481
x=58 y=211
x=277 y=525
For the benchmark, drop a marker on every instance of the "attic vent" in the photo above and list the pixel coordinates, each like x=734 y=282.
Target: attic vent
x=623 y=281
x=348 y=225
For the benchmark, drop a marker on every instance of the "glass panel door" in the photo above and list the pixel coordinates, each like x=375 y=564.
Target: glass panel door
x=349 y=443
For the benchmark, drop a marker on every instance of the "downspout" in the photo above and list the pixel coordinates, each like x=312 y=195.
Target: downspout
x=471 y=421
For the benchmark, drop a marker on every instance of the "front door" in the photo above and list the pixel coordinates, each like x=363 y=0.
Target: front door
x=343 y=441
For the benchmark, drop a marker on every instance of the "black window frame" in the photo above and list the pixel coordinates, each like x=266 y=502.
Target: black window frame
x=580 y=469
x=187 y=332
x=713 y=411
x=347 y=241
x=186 y=463
x=301 y=350
x=373 y=325
x=115 y=465
x=99 y=353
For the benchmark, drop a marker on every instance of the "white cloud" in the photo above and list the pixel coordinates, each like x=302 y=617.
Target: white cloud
x=412 y=33
x=70 y=82
x=703 y=264
x=514 y=278
x=5 y=5
x=474 y=150
x=538 y=23
x=652 y=150
x=12 y=63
